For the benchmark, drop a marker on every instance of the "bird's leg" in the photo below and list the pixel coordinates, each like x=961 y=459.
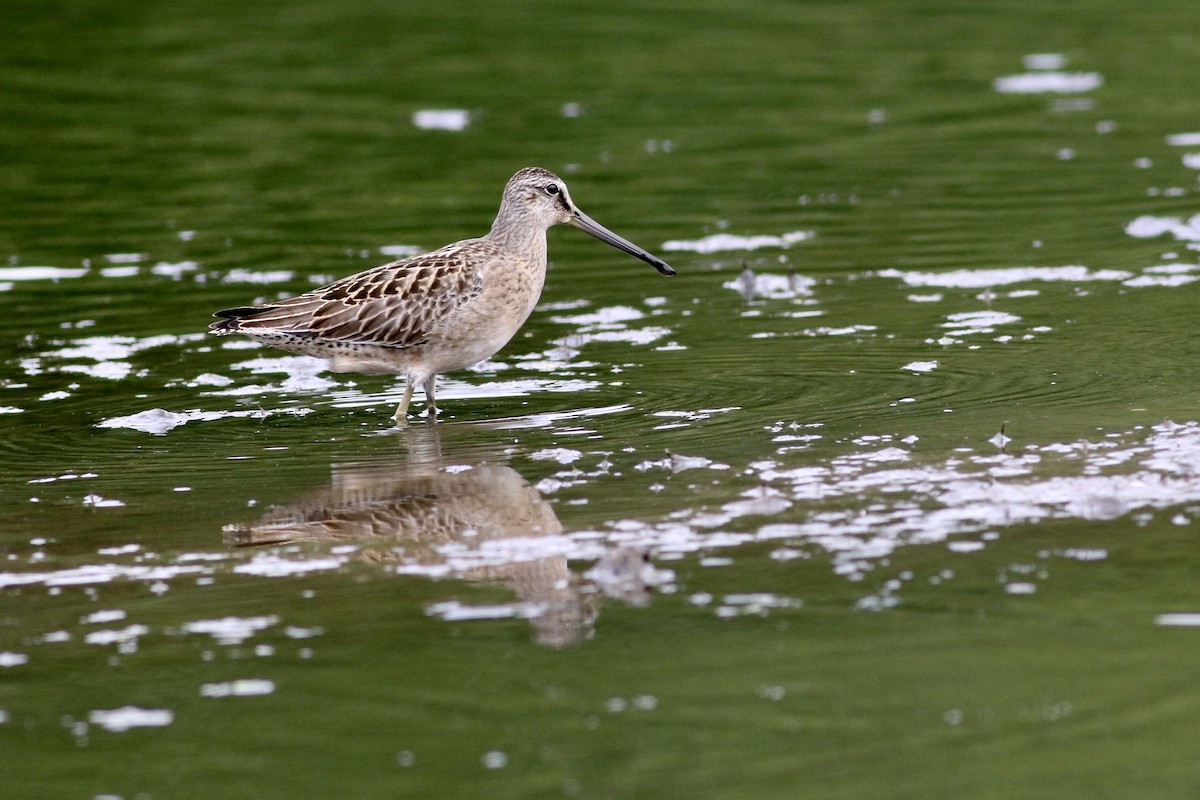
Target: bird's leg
x=401 y=415
x=430 y=403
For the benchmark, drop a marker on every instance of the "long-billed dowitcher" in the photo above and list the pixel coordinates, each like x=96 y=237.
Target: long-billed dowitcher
x=436 y=312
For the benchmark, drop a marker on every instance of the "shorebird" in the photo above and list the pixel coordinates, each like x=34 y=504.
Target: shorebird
x=432 y=313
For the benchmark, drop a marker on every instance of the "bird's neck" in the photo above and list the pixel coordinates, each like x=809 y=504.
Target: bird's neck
x=518 y=232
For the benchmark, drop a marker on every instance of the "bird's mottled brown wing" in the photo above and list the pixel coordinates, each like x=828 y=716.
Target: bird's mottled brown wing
x=395 y=305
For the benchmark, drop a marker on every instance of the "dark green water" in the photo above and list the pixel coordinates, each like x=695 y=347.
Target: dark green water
x=856 y=586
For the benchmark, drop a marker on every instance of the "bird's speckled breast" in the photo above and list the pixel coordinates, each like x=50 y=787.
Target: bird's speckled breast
x=481 y=326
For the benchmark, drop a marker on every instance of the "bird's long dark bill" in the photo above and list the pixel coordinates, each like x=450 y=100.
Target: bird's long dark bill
x=590 y=226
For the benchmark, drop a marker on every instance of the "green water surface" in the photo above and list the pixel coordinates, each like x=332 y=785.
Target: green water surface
x=919 y=492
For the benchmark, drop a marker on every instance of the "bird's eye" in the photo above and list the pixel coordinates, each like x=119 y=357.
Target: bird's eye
x=551 y=189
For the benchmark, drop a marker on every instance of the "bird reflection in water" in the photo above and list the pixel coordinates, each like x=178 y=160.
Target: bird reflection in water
x=423 y=509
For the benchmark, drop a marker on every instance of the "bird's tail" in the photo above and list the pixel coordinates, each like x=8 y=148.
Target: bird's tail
x=230 y=320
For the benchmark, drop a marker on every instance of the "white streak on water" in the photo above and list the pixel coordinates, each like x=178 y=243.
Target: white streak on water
x=400 y=250
x=119 y=720
x=244 y=687
x=984 y=278
x=772 y=286
x=9 y=659
x=259 y=277
x=270 y=565
x=1053 y=81
x=454 y=611
x=174 y=270
x=96 y=501
x=445 y=119
x=723 y=242
x=95 y=573
x=969 y=322
x=231 y=630
x=1148 y=226
x=921 y=366
x=159 y=421
x=562 y=455
x=41 y=273
x=611 y=315
x=118 y=637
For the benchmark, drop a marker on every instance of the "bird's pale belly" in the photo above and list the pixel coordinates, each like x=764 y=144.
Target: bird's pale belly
x=471 y=333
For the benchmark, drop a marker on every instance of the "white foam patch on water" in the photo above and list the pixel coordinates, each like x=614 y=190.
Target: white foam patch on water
x=100 y=617
x=985 y=278
x=231 y=630
x=119 y=272
x=119 y=720
x=845 y=331
x=611 y=315
x=109 y=354
x=449 y=389
x=921 y=366
x=41 y=273
x=563 y=455
x=549 y=418
x=244 y=687
x=1184 y=139
x=123 y=636
x=455 y=611
x=159 y=421
x=400 y=250
x=441 y=119
x=1148 y=226
x=154 y=420
x=972 y=322
x=754 y=604
x=9 y=659
x=1174 y=278
x=638 y=336
x=108 y=370
x=677 y=462
x=303 y=375
x=92 y=574
x=1048 y=81
x=96 y=501
x=270 y=565
x=725 y=242
x=204 y=379
x=258 y=277
x=288 y=365
x=174 y=270
x=1179 y=620
x=297 y=632
x=771 y=286
x=461 y=558
x=862 y=506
